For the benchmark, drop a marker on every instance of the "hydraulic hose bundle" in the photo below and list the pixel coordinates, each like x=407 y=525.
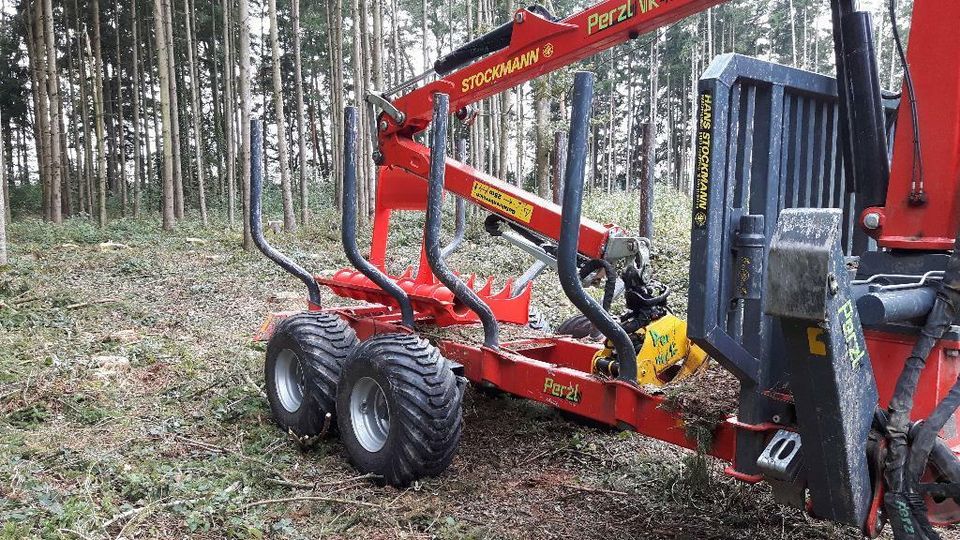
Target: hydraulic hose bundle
x=907 y=456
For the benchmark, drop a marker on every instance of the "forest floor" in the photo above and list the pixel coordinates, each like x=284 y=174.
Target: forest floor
x=131 y=407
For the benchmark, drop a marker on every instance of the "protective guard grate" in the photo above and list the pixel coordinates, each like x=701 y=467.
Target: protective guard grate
x=768 y=138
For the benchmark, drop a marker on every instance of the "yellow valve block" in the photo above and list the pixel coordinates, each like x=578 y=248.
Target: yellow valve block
x=666 y=356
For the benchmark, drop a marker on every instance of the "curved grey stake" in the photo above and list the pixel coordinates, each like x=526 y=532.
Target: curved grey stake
x=570 y=232
x=256 y=223
x=349 y=226
x=464 y=294
x=461 y=215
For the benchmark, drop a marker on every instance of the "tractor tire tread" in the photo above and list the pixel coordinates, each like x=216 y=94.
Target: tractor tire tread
x=578 y=327
x=326 y=341
x=428 y=412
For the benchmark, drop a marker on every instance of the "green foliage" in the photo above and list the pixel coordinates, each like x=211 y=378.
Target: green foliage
x=30 y=416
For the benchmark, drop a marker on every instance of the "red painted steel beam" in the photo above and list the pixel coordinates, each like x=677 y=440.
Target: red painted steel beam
x=935 y=63
x=539 y=46
x=511 y=202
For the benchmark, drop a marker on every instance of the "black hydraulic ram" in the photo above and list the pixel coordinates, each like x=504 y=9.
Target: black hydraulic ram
x=885 y=307
x=460 y=290
x=863 y=123
x=256 y=223
x=570 y=232
x=492 y=41
x=349 y=226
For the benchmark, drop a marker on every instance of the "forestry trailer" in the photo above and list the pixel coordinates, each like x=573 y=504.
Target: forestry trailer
x=826 y=277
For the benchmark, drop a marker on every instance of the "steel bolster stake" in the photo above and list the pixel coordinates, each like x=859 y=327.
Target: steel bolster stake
x=461 y=213
x=256 y=223
x=349 y=225
x=570 y=231
x=463 y=293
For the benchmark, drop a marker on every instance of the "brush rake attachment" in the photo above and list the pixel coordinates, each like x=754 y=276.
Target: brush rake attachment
x=415 y=291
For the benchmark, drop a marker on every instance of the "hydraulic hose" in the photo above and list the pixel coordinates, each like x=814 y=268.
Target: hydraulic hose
x=943 y=315
x=906 y=462
x=610 y=285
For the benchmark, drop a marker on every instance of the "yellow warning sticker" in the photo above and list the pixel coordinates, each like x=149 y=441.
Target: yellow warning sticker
x=504 y=202
x=815 y=340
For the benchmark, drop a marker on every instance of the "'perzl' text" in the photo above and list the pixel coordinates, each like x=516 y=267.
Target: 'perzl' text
x=598 y=22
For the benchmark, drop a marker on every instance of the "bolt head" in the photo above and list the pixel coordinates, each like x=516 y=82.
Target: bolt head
x=383 y=125
x=833 y=285
x=519 y=17
x=776 y=419
x=872 y=221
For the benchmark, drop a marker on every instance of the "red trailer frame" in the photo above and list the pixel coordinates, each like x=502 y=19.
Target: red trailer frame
x=558 y=371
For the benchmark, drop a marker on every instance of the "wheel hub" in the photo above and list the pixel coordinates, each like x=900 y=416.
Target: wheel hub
x=289 y=380
x=370 y=414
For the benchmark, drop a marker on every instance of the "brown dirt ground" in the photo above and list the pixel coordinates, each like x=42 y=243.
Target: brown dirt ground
x=180 y=444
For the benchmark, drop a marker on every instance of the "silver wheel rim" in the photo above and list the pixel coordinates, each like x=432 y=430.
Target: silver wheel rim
x=288 y=377
x=370 y=414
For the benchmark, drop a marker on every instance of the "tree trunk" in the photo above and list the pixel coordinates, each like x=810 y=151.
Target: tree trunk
x=75 y=106
x=670 y=125
x=163 y=65
x=196 y=112
x=645 y=185
x=121 y=137
x=301 y=133
x=137 y=158
x=101 y=127
x=335 y=24
x=495 y=137
x=503 y=153
x=892 y=82
x=425 y=49
x=559 y=164
x=357 y=61
x=289 y=219
x=396 y=66
x=542 y=126
x=633 y=117
x=369 y=168
x=793 y=33
x=245 y=105
x=87 y=135
x=228 y=116
x=653 y=114
x=153 y=142
x=171 y=67
x=611 y=142
x=377 y=48
x=377 y=78
x=210 y=58
x=41 y=129
x=3 y=199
